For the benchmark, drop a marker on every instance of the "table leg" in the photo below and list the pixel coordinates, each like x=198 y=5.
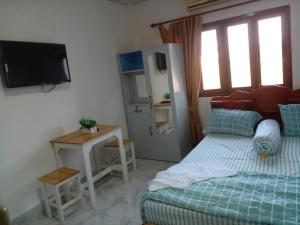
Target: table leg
x=56 y=155
x=89 y=176
x=79 y=190
x=122 y=156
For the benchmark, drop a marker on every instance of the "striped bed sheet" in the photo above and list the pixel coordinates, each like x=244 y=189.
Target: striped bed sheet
x=237 y=153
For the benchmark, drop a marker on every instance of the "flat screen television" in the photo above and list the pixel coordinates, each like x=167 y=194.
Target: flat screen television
x=29 y=63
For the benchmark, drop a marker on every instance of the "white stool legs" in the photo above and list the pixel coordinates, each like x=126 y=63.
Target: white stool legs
x=59 y=207
x=71 y=196
x=46 y=200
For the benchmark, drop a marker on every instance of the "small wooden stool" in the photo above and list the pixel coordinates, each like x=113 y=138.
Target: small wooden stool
x=128 y=145
x=61 y=177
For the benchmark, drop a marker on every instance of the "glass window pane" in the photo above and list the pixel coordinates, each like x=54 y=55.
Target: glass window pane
x=238 y=43
x=270 y=43
x=210 y=60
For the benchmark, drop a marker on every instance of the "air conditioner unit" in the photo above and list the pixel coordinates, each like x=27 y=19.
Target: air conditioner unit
x=196 y=4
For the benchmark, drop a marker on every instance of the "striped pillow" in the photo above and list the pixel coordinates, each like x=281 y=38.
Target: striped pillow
x=290 y=115
x=238 y=122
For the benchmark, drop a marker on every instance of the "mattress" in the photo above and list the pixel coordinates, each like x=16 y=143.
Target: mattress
x=237 y=153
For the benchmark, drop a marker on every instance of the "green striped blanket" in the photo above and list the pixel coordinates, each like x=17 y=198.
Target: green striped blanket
x=255 y=197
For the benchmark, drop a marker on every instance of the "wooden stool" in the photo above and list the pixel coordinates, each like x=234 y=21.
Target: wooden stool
x=128 y=145
x=61 y=177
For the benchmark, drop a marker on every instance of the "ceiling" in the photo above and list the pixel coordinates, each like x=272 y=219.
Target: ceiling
x=127 y=2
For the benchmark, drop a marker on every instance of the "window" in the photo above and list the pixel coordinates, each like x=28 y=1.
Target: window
x=238 y=46
x=270 y=48
x=210 y=60
x=246 y=52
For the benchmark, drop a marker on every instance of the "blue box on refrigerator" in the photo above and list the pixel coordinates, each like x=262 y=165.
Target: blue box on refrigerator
x=132 y=61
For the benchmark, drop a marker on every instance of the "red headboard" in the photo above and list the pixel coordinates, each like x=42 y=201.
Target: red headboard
x=264 y=100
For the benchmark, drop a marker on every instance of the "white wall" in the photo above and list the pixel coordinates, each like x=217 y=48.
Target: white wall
x=94 y=31
x=142 y=15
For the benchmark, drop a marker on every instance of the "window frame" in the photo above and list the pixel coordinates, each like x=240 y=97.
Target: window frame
x=254 y=51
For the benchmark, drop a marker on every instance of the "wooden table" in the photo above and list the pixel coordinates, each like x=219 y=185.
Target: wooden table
x=85 y=142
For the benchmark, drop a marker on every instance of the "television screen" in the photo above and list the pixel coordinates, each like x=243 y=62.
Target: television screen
x=27 y=63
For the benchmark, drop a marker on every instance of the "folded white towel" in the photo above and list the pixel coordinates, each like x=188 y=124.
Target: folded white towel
x=183 y=175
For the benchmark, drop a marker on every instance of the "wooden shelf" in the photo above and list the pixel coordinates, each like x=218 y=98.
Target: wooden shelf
x=161 y=124
x=159 y=104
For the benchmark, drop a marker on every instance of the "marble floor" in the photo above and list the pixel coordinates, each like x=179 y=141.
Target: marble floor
x=117 y=202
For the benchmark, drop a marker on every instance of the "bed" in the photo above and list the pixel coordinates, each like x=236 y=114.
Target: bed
x=236 y=152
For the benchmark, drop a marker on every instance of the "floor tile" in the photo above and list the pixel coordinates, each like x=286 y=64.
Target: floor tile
x=104 y=220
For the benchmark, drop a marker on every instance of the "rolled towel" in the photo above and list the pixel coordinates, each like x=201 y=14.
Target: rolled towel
x=267 y=138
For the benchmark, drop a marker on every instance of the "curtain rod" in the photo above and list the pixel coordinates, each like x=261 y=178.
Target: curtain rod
x=203 y=13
